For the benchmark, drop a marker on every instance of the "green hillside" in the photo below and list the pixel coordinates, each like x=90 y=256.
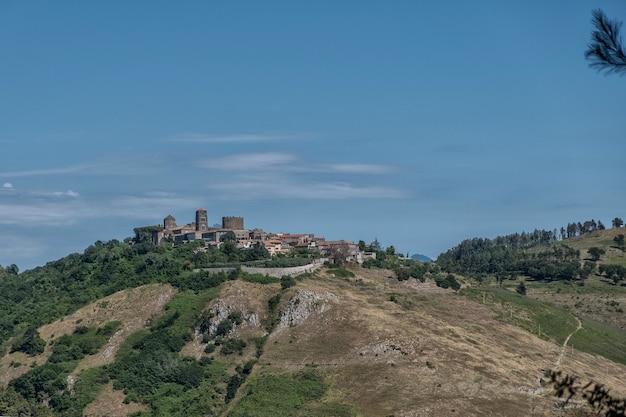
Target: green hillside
x=130 y=328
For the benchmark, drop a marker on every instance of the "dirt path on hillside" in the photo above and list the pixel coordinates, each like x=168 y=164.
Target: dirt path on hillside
x=580 y=326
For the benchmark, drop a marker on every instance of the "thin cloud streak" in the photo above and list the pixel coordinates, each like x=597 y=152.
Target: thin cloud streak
x=288 y=162
x=150 y=206
x=138 y=165
x=265 y=175
x=251 y=161
x=235 y=138
x=68 y=208
x=249 y=189
x=360 y=168
x=41 y=214
x=40 y=172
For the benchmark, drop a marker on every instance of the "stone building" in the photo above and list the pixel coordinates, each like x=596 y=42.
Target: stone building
x=232 y=223
x=169 y=222
x=202 y=222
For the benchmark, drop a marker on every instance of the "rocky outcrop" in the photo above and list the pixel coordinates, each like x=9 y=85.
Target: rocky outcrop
x=302 y=305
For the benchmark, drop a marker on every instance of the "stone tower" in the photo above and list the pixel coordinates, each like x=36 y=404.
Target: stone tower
x=232 y=223
x=169 y=222
x=202 y=222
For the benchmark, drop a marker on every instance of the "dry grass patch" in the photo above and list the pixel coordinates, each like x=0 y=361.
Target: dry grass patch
x=110 y=403
x=437 y=353
x=134 y=308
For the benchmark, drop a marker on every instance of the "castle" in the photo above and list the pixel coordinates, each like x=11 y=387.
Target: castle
x=199 y=230
x=275 y=243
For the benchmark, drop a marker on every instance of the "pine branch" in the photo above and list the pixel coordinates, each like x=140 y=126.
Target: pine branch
x=605 y=51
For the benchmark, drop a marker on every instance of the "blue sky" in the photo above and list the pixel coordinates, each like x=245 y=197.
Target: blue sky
x=417 y=123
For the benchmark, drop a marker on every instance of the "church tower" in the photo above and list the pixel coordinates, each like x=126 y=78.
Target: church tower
x=202 y=222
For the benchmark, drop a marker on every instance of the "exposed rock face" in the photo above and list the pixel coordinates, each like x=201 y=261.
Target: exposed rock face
x=224 y=307
x=302 y=305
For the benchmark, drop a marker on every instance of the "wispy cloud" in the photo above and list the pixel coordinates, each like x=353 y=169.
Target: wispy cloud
x=287 y=162
x=68 y=193
x=38 y=172
x=360 y=168
x=7 y=186
x=152 y=205
x=251 y=161
x=41 y=213
x=235 y=138
x=285 y=175
x=272 y=188
x=67 y=208
x=110 y=166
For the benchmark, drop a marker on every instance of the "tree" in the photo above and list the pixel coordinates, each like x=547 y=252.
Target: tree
x=596 y=395
x=231 y=251
x=595 y=253
x=340 y=253
x=402 y=274
x=521 y=288
x=617 y=222
x=449 y=281
x=12 y=269
x=605 y=51
x=619 y=241
x=29 y=342
x=614 y=272
x=229 y=236
x=587 y=269
x=287 y=281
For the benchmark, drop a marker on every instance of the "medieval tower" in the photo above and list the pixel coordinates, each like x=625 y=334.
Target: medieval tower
x=232 y=223
x=169 y=222
x=202 y=222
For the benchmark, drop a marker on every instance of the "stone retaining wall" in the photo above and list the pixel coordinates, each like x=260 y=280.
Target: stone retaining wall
x=272 y=272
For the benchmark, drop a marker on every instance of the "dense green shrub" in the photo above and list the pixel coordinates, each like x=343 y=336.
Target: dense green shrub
x=41 y=382
x=287 y=281
x=14 y=404
x=233 y=345
x=149 y=366
x=28 y=342
x=285 y=394
x=449 y=281
x=258 y=278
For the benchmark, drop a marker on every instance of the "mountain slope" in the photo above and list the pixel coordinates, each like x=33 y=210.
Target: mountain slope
x=368 y=345
x=432 y=352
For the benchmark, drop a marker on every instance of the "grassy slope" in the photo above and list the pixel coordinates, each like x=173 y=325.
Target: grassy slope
x=601 y=239
x=430 y=351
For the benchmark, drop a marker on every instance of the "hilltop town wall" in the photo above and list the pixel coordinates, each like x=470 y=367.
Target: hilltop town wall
x=273 y=272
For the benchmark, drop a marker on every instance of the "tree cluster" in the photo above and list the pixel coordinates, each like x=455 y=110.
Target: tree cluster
x=615 y=273
x=477 y=256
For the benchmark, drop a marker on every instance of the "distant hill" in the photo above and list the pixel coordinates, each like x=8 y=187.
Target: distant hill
x=421 y=258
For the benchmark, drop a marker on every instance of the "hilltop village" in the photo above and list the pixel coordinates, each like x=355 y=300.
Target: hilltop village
x=275 y=243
